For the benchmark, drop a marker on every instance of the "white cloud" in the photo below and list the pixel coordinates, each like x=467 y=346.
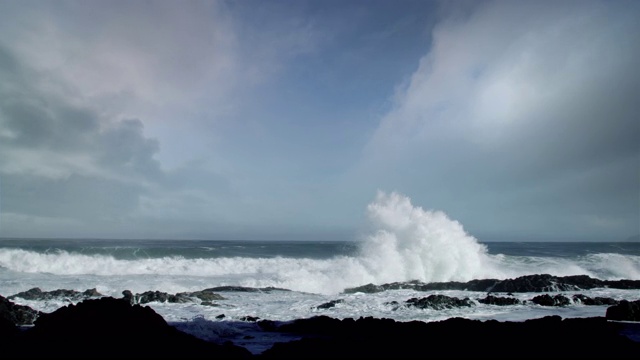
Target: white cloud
x=514 y=95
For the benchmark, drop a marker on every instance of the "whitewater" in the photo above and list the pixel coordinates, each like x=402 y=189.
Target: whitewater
x=290 y=280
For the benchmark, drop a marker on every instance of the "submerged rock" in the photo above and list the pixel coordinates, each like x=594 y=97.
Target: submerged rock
x=329 y=304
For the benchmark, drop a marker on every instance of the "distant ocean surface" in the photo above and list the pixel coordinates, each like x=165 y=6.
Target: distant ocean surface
x=306 y=275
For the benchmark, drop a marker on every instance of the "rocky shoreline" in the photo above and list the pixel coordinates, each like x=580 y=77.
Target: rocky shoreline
x=98 y=326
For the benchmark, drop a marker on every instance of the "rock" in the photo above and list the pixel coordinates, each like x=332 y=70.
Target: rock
x=128 y=297
x=17 y=314
x=112 y=328
x=500 y=301
x=594 y=301
x=539 y=283
x=439 y=302
x=548 y=300
x=249 y=318
x=329 y=304
x=232 y=289
x=624 y=311
x=367 y=289
x=327 y=338
x=204 y=295
x=161 y=297
x=38 y=294
x=528 y=283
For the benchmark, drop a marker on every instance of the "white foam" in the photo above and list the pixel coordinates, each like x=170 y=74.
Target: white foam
x=407 y=243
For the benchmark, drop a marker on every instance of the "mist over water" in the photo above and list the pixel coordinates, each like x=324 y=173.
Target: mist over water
x=406 y=243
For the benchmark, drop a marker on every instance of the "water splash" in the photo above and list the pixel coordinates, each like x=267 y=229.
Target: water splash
x=416 y=244
x=406 y=243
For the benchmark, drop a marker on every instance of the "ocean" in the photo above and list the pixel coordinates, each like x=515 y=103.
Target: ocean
x=286 y=280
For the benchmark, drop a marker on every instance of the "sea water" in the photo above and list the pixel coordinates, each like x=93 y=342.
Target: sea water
x=292 y=278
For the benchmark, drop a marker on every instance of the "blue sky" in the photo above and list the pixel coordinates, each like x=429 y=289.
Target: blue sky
x=283 y=119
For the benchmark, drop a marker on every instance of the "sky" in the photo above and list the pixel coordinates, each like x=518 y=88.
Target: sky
x=283 y=120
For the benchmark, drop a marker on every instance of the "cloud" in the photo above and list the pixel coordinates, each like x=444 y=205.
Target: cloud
x=109 y=113
x=521 y=105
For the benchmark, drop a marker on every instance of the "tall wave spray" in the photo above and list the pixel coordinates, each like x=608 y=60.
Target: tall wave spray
x=406 y=243
x=416 y=244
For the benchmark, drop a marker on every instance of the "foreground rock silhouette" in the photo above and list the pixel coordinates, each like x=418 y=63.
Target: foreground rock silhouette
x=548 y=337
x=115 y=328
x=108 y=328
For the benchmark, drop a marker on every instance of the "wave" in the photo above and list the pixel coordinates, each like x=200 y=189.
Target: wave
x=409 y=243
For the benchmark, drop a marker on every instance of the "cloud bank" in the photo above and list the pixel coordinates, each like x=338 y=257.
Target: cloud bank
x=522 y=115
x=275 y=120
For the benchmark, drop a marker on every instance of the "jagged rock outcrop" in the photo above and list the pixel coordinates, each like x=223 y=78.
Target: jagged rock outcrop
x=439 y=302
x=206 y=296
x=499 y=300
x=326 y=338
x=17 y=314
x=112 y=328
x=72 y=295
x=528 y=283
x=624 y=311
x=585 y=300
x=548 y=300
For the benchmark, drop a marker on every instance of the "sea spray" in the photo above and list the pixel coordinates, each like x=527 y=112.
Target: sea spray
x=416 y=244
x=406 y=242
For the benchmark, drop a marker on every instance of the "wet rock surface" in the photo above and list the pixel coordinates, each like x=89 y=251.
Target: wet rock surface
x=528 y=283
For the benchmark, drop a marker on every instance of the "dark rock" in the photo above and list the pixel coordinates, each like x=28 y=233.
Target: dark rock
x=528 y=283
x=161 y=297
x=326 y=338
x=548 y=300
x=439 y=302
x=204 y=295
x=249 y=318
x=268 y=325
x=393 y=304
x=111 y=328
x=72 y=295
x=367 y=289
x=621 y=284
x=329 y=304
x=17 y=314
x=128 y=297
x=232 y=289
x=541 y=283
x=624 y=311
x=594 y=301
x=500 y=301
x=8 y=328
x=221 y=316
